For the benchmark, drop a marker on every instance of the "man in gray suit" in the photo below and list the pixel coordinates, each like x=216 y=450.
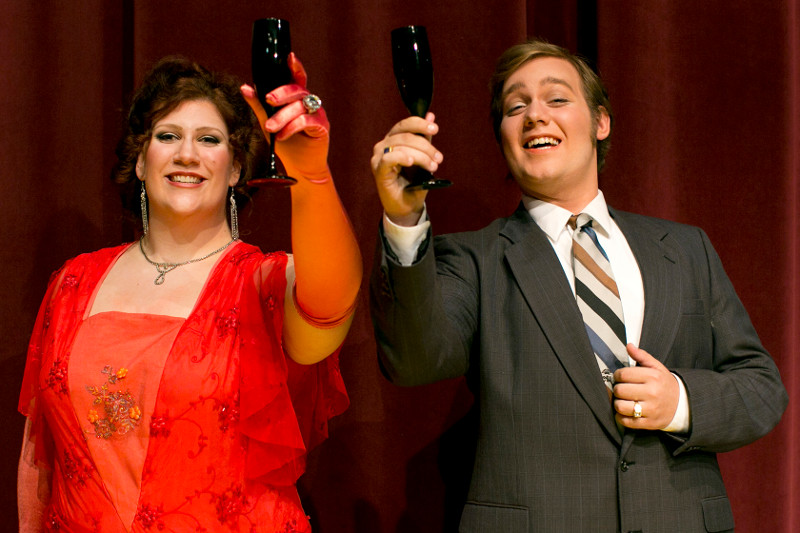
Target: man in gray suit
x=569 y=441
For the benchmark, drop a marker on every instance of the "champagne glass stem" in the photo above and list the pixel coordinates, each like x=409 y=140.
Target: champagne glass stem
x=273 y=165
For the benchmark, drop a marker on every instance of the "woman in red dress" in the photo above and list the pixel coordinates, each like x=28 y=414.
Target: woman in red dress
x=176 y=383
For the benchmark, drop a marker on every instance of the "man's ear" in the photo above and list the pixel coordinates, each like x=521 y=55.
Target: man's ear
x=603 y=123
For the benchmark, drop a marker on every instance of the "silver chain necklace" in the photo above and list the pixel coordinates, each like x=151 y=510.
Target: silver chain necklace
x=164 y=268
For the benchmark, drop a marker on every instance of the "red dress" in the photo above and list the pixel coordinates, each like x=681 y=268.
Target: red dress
x=225 y=430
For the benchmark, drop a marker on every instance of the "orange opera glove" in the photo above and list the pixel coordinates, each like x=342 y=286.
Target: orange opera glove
x=327 y=260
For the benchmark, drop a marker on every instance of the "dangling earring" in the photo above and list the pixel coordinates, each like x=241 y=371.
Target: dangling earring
x=234 y=218
x=143 y=199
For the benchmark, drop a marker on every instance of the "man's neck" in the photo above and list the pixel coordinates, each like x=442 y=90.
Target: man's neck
x=573 y=203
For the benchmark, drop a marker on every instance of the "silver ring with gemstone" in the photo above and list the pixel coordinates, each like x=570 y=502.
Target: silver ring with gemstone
x=637 y=410
x=312 y=103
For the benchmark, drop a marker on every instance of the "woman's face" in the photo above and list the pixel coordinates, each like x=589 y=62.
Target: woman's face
x=188 y=165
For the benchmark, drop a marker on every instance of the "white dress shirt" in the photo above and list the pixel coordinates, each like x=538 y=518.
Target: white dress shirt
x=552 y=219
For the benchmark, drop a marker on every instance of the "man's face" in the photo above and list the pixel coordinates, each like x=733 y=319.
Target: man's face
x=548 y=133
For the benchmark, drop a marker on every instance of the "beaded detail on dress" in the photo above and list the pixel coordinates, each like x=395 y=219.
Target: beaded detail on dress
x=114 y=409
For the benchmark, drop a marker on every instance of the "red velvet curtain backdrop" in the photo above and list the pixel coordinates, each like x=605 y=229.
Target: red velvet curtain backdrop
x=707 y=131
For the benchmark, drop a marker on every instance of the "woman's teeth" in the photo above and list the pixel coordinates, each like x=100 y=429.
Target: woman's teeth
x=185 y=179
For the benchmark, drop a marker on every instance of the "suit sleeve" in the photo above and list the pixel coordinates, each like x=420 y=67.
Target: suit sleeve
x=425 y=315
x=739 y=396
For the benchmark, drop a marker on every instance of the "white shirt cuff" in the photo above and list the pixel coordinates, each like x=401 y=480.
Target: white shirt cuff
x=405 y=240
x=681 y=421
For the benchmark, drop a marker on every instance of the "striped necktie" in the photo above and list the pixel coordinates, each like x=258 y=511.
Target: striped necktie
x=598 y=298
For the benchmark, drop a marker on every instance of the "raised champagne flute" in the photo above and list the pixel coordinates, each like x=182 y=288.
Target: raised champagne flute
x=413 y=70
x=271 y=45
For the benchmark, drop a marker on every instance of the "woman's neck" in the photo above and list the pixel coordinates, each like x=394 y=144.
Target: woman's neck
x=176 y=243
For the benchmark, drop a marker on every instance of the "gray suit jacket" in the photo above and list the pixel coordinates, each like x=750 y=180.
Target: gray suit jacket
x=495 y=305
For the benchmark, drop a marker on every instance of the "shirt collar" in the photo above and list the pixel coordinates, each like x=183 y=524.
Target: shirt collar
x=553 y=219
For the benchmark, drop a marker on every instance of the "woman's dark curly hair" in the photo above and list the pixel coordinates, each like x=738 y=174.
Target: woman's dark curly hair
x=172 y=81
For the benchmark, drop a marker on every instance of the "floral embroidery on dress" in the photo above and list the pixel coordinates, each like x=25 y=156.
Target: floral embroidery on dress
x=228 y=322
x=76 y=469
x=57 y=377
x=150 y=516
x=228 y=412
x=160 y=426
x=52 y=521
x=70 y=281
x=116 y=411
x=231 y=505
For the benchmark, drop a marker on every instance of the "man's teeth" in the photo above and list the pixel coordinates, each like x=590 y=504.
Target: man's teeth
x=542 y=141
x=185 y=179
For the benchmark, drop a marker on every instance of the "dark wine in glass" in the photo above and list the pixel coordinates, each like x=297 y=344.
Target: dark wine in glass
x=271 y=45
x=413 y=70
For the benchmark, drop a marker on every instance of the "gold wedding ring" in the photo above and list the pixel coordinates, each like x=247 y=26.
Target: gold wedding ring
x=637 y=410
x=388 y=149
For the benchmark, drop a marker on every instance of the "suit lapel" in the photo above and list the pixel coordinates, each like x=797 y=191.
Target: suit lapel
x=541 y=280
x=661 y=278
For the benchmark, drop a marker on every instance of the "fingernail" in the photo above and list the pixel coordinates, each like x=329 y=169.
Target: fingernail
x=247 y=91
x=438 y=157
x=431 y=127
x=433 y=166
